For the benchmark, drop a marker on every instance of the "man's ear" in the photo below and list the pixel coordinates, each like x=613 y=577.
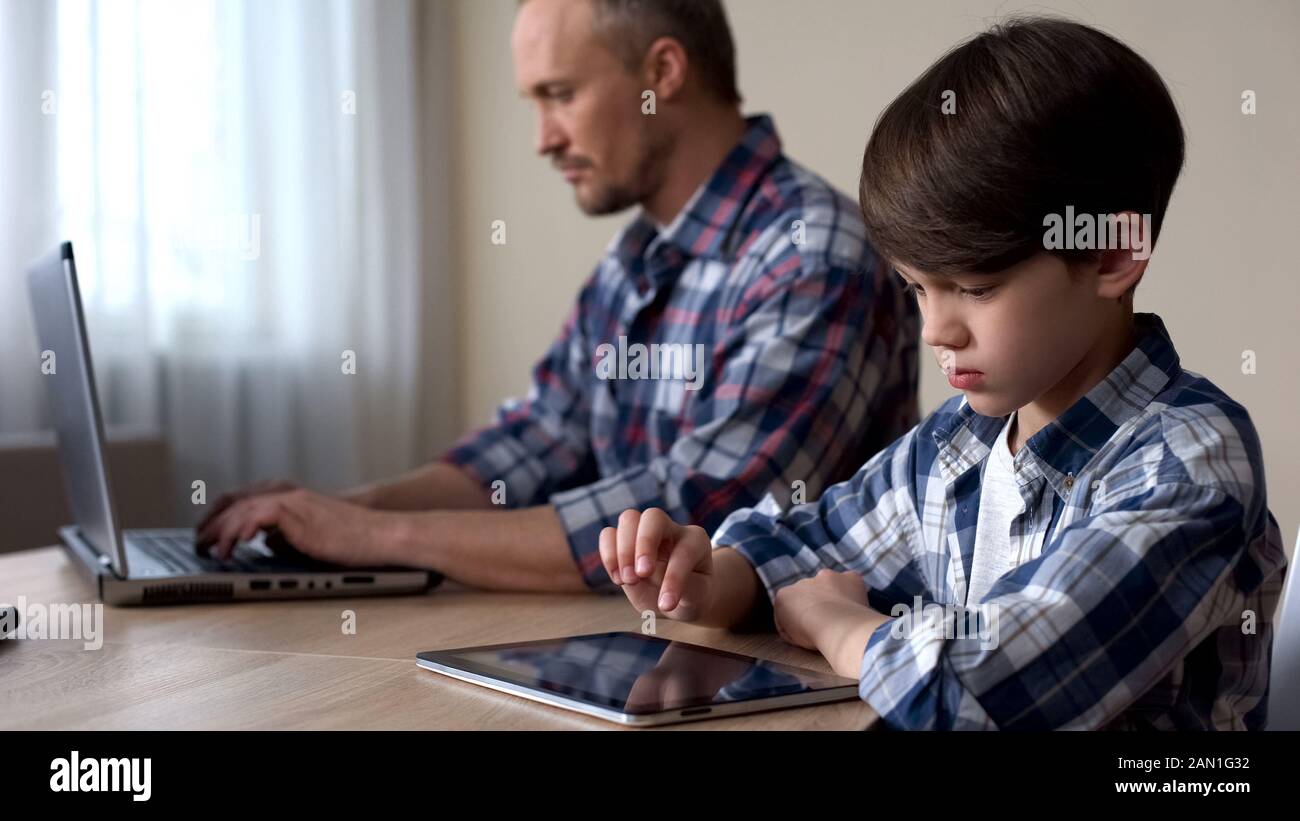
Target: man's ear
x=664 y=68
x=1119 y=270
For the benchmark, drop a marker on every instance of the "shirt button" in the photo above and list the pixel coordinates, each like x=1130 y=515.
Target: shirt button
x=1069 y=481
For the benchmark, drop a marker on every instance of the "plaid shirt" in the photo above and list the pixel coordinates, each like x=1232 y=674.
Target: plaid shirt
x=1146 y=555
x=809 y=353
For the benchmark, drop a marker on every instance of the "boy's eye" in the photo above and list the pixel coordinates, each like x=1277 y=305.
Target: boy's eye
x=977 y=293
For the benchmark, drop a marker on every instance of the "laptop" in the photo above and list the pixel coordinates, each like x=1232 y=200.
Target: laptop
x=158 y=566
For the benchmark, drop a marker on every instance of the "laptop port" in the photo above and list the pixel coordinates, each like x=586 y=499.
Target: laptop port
x=288 y=584
x=358 y=579
x=697 y=711
x=259 y=585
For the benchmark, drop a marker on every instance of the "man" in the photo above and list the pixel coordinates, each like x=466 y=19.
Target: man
x=789 y=352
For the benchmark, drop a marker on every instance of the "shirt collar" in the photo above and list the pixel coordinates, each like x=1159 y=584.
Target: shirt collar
x=1065 y=446
x=703 y=228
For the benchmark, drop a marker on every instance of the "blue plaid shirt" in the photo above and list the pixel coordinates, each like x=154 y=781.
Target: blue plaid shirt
x=1149 y=565
x=809 y=350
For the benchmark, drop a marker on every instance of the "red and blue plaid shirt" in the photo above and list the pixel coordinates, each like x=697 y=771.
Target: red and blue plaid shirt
x=808 y=344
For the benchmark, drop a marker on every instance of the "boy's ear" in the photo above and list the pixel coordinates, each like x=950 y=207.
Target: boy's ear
x=1120 y=269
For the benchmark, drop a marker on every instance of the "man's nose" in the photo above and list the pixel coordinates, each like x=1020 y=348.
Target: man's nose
x=550 y=137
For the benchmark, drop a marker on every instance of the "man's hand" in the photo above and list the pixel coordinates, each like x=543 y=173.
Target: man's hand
x=661 y=565
x=356 y=497
x=323 y=527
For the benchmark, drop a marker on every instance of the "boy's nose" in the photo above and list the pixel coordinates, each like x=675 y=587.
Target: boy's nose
x=943 y=329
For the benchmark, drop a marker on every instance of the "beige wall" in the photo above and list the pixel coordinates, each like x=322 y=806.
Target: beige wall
x=1225 y=278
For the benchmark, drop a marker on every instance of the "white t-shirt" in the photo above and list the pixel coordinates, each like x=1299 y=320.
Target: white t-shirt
x=1000 y=504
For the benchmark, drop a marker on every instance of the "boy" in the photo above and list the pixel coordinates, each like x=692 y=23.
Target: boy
x=1081 y=539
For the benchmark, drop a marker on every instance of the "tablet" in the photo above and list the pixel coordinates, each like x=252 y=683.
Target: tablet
x=638 y=680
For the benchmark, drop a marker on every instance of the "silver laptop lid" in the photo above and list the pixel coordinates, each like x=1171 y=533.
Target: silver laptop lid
x=74 y=402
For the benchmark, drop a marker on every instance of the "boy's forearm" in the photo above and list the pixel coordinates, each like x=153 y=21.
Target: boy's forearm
x=739 y=599
x=843 y=632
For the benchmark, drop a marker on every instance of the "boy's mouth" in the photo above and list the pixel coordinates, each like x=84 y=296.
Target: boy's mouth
x=964 y=378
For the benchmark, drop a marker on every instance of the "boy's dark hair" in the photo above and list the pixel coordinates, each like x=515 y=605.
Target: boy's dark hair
x=1049 y=113
x=628 y=27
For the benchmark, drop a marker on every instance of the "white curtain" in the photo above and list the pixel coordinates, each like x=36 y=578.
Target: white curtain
x=243 y=182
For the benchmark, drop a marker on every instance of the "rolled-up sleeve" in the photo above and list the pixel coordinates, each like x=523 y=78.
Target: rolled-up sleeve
x=866 y=524
x=542 y=442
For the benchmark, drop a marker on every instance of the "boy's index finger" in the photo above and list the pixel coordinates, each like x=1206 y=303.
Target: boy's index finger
x=629 y=524
x=685 y=557
x=655 y=528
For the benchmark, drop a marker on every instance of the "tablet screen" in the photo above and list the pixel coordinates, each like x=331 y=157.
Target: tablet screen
x=636 y=674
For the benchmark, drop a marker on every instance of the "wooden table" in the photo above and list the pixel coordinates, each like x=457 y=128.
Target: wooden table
x=290 y=665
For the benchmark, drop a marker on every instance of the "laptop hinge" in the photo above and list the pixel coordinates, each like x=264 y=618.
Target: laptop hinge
x=88 y=555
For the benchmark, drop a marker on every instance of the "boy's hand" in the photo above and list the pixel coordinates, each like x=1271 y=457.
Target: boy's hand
x=801 y=609
x=661 y=565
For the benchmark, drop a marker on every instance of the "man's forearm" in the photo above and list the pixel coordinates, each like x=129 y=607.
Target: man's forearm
x=435 y=486
x=524 y=549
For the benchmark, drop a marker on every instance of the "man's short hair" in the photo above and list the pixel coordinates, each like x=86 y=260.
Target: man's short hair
x=1049 y=113
x=628 y=27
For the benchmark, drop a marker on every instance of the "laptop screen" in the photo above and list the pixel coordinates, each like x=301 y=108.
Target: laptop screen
x=74 y=402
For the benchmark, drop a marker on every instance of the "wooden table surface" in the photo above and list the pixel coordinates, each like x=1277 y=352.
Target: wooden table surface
x=290 y=665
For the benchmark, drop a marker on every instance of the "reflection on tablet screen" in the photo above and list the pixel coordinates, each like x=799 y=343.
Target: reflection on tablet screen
x=634 y=673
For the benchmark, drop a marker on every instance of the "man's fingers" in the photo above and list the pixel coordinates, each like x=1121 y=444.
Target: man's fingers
x=291 y=525
x=227 y=527
x=248 y=531
x=228 y=499
x=219 y=507
x=250 y=516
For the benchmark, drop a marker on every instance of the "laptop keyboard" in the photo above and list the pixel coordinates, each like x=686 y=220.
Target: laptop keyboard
x=176 y=553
